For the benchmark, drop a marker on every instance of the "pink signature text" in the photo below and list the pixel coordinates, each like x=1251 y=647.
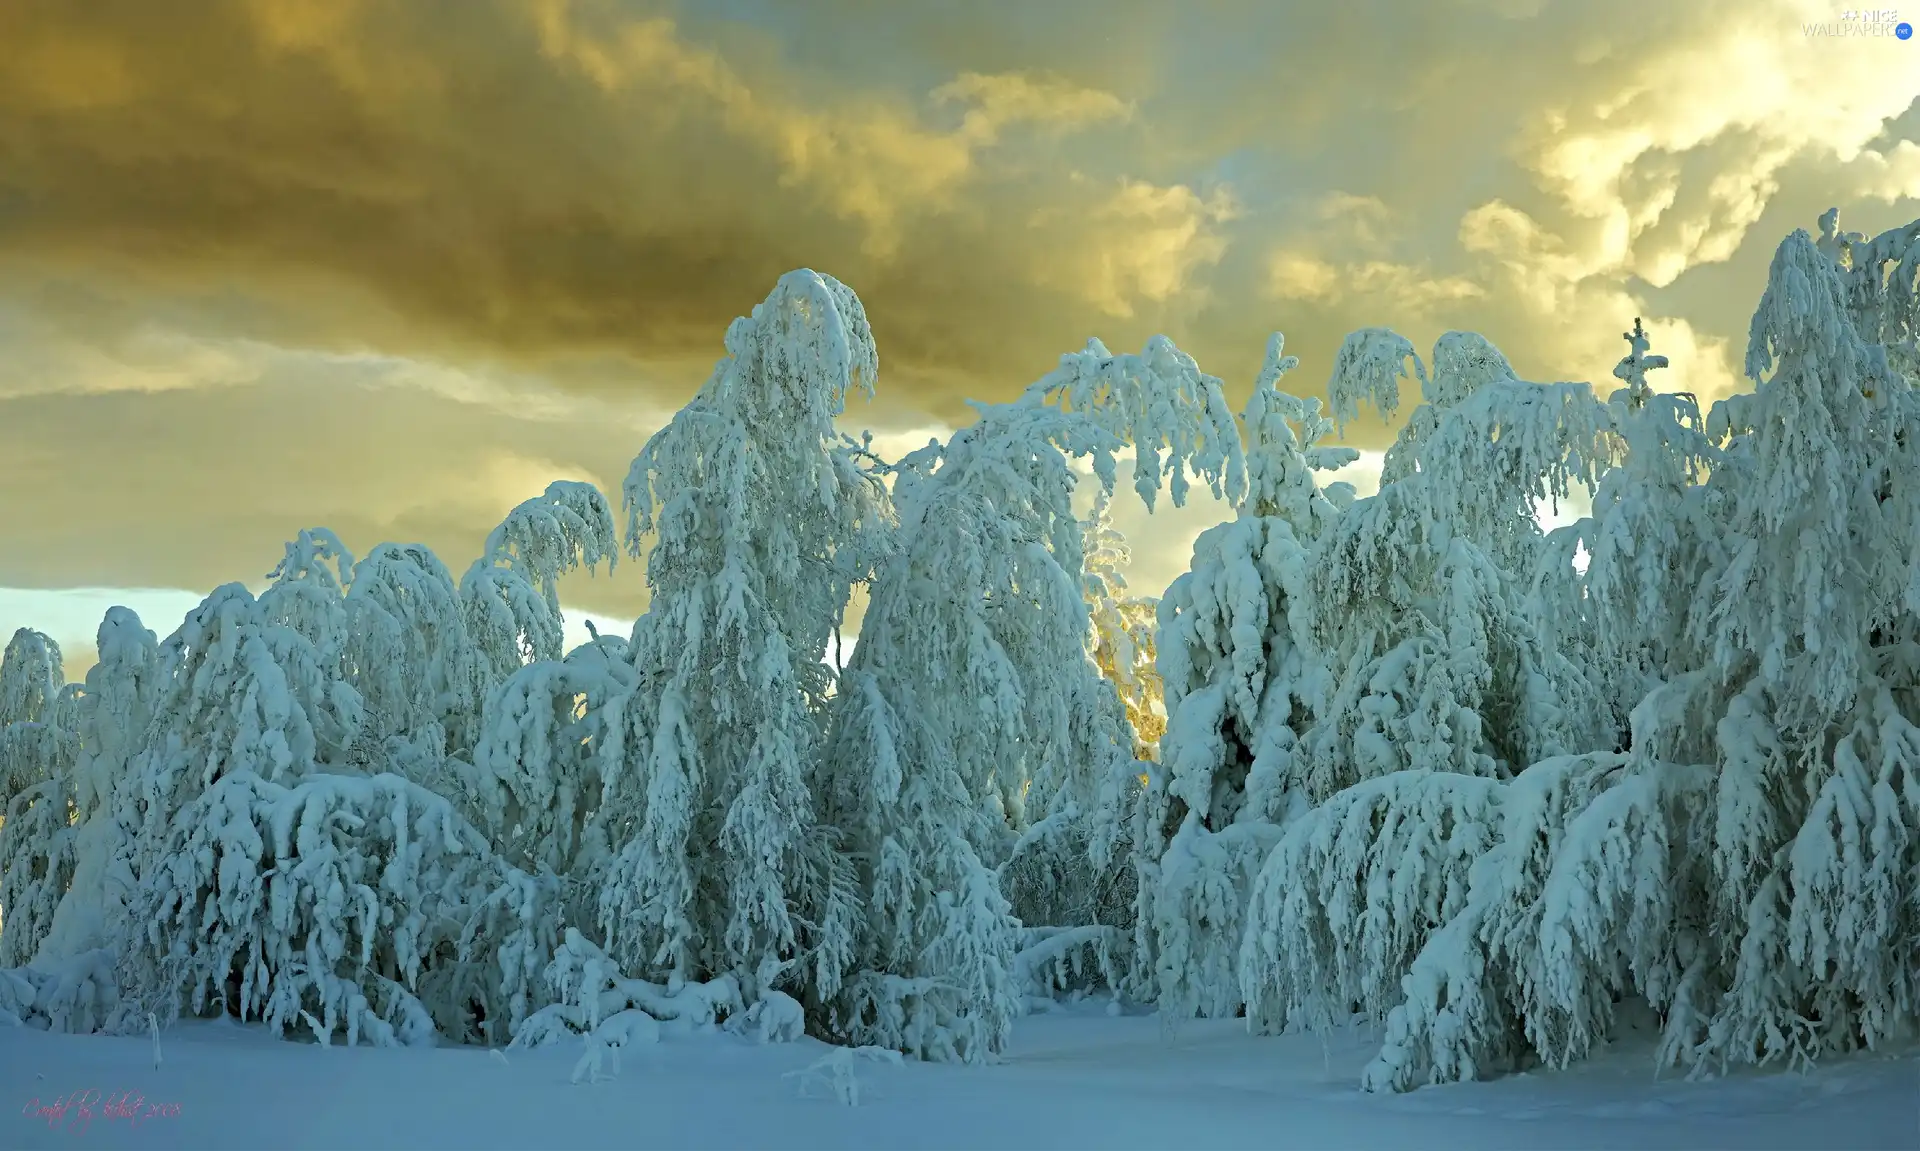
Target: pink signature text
x=78 y=1109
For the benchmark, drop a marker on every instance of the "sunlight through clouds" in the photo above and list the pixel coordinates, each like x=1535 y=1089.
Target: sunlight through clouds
x=418 y=266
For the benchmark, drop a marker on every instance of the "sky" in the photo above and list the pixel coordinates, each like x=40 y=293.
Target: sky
x=390 y=267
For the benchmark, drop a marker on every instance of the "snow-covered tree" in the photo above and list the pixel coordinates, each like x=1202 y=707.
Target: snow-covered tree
x=961 y=694
x=551 y=733
x=115 y=711
x=392 y=627
x=1882 y=278
x=1806 y=613
x=307 y=595
x=1243 y=680
x=762 y=518
x=1625 y=615
x=511 y=594
x=971 y=709
x=1175 y=420
x=1160 y=404
x=316 y=901
x=239 y=691
x=243 y=694
x=1749 y=866
x=1443 y=684
x=31 y=675
x=37 y=749
x=1420 y=590
x=409 y=655
x=36 y=835
x=277 y=876
x=1122 y=637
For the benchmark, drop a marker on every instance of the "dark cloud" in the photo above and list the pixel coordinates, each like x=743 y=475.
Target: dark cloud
x=459 y=180
x=272 y=263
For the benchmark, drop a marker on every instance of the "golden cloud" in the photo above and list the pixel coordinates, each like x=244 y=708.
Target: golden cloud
x=272 y=263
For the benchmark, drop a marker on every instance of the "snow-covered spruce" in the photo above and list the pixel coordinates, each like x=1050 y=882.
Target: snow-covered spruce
x=1420 y=591
x=1243 y=680
x=1121 y=639
x=38 y=750
x=511 y=594
x=971 y=711
x=31 y=676
x=114 y=713
x=36 y=835
x=762 y=518
x=1806 y=612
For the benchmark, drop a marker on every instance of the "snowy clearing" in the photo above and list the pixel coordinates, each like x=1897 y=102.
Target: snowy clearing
x=1076 y=1078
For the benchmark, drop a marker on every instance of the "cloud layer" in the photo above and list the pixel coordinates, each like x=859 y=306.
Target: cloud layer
x=391 y=266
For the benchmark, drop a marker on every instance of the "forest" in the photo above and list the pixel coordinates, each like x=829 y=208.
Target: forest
x=1408 y=759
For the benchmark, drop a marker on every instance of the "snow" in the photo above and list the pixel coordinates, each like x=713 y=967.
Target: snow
x=1073 y=1078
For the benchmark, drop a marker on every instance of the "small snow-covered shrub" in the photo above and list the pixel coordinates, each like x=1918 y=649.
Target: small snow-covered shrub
x=592 y=999
x=79 y=995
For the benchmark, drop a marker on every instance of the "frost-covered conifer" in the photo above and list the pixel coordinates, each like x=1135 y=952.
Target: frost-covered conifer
x=1419 y=589
x=37 y=750
x=1625 y=614
x=1122 y=636
x=971 y=709
x=762 y=518
x=1882 y=276
x=1805 y=612
x=1243 y=680
x=114 y=713
x=511 y=593
x=31 y=676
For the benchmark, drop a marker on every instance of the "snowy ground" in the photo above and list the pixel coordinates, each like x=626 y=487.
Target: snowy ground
x=1074 y=1079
